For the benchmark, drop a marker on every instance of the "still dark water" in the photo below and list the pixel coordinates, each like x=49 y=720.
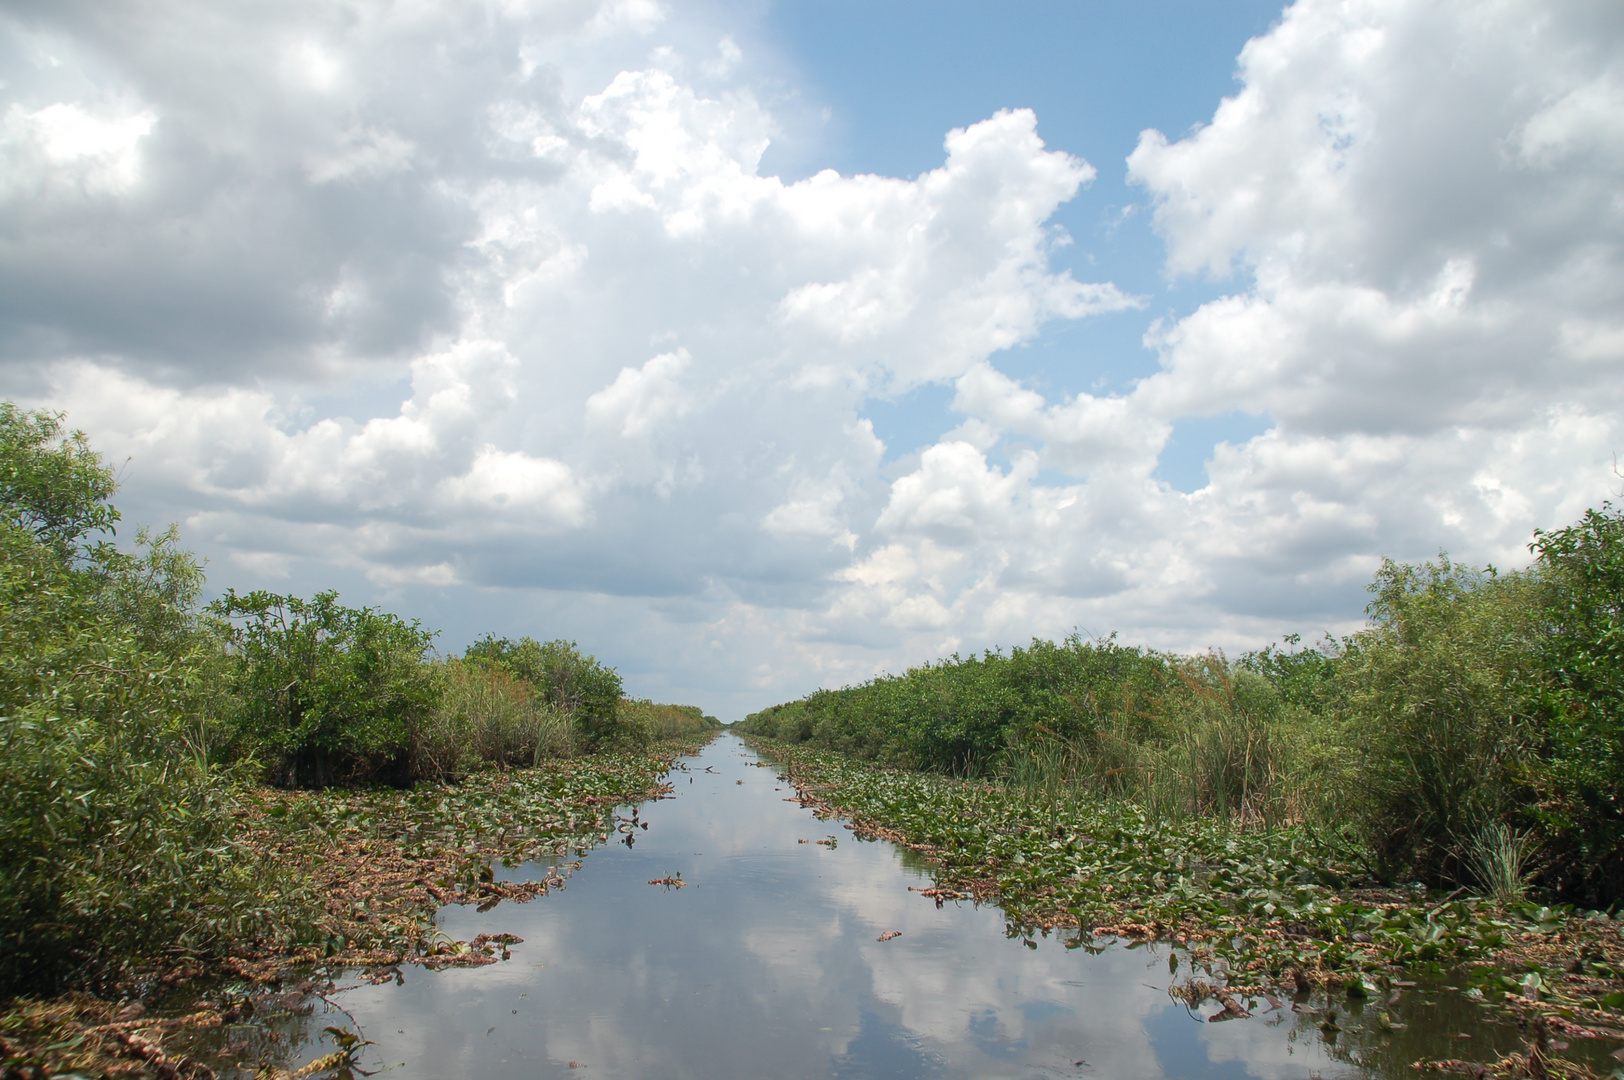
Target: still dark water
x=767 y=964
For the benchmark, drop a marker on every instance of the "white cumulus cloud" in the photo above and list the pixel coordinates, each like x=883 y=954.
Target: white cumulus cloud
x=492 y=309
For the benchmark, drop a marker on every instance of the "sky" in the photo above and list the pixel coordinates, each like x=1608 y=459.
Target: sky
x=763 y=345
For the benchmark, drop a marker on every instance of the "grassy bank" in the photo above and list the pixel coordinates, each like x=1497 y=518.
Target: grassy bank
x=1252 y=907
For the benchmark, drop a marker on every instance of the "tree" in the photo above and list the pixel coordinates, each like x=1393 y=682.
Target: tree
x=1581 y=571
x=115 y=833
x=52 y=484
x=331 y=693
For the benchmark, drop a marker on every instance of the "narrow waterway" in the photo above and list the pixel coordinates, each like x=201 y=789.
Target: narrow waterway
x=768 y=962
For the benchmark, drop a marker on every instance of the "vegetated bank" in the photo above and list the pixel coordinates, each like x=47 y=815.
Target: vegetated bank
x=188 y=791
x=1445 y=787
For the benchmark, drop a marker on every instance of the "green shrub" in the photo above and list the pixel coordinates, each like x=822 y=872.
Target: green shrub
x=966 y=716
x=116 y=833
x=1439 y=702
x=329 y=694
x=1581 y=652
x=573 y=683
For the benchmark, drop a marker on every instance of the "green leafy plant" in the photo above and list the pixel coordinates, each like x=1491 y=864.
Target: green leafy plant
x=1439 y=694
x=116 y=841
x=330 y=694
x=1581 y=653
x=571 y=682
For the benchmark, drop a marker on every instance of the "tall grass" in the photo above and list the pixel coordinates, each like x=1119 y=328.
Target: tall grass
x=487 y=717
x=653 y=721
x=1502 y=859
x=491 y=718
x=1220 y=744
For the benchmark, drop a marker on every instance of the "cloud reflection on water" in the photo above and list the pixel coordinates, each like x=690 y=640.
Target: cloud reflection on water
x=767 y=964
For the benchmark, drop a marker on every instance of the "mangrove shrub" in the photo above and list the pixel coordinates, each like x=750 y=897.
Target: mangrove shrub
x=116 y=835
x=1581 y=652
x=329 y=694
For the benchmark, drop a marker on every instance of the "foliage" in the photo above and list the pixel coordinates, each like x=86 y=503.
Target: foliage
x=570 y=681
x=116 y=847
x=1439 y=687
x=128 y=719
x=665 y=722
x=1182 y=735
x=53 y=486
x=332 y=694
x=1249 y=907
x=1581 y=569
x=1261 y=900
x=487 y=716
x=1473 y=704
x=962 y=715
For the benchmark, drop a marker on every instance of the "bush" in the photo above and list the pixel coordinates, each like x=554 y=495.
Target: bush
x=116 y=846
x=1440 y=698
x=569 y=681
x=1581 y=652
x=966 y=716
x=487 y=716
x=329 y=694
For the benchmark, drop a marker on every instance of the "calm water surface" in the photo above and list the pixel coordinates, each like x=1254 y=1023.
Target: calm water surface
x=767 y=964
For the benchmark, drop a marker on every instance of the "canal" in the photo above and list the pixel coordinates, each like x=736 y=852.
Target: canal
x=793 y=950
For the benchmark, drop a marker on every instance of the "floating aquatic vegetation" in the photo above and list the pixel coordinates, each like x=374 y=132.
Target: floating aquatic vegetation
x=380 y=862
x=1249 y=908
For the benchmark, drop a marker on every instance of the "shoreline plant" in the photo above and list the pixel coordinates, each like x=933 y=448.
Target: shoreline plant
x=1470 y=736
x=133 y=723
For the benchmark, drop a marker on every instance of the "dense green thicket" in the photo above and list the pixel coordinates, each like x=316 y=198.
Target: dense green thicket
x=1580 y=652
x=115 y=833
x=569 y=681
x=328 y=693
x=129 y=717
x=1470 y=734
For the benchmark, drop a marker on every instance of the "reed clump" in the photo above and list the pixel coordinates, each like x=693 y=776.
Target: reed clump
x=487 y=717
